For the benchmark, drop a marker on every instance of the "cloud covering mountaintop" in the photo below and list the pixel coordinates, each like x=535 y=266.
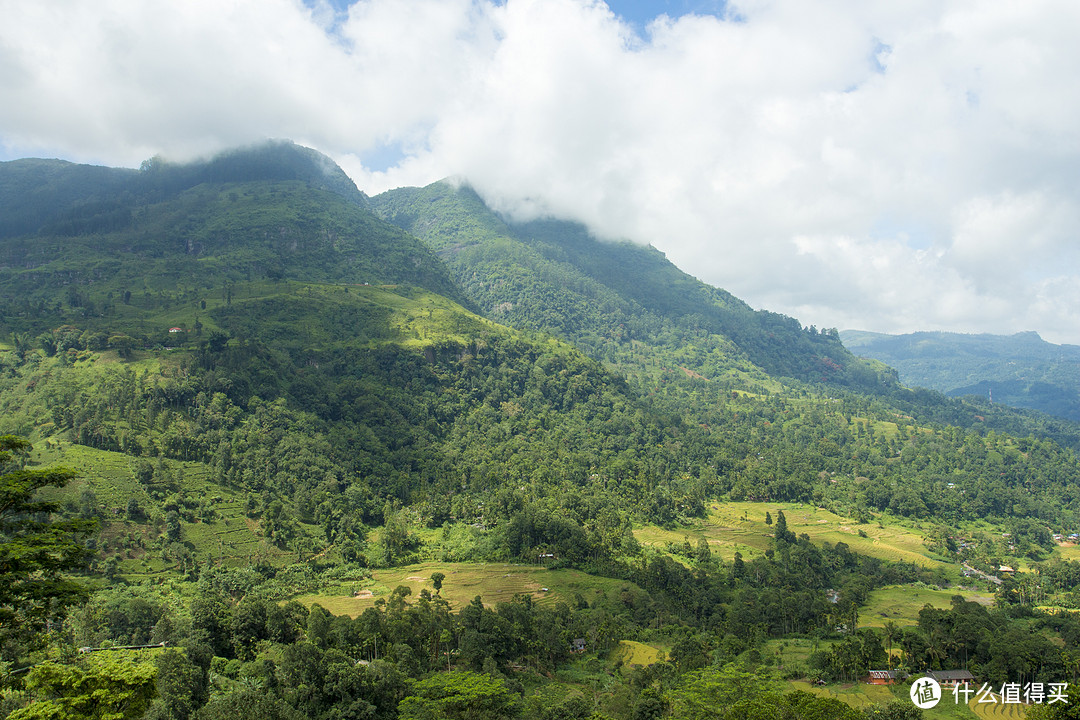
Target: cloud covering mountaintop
x=886 y=166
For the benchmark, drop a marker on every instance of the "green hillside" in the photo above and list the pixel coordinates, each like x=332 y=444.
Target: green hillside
x=214 y=309
x=164 y=243
x=351 y=457
x=622 y=303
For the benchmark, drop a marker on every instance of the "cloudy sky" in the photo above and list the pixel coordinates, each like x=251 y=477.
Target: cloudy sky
x=890 y=166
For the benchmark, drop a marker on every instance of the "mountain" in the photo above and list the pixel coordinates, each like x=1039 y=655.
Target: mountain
x=622 y=303
x=436 y=360
x=34 y=192
x=1020 y=370
x=176 y=310
x=279 y=395
x=148 y=249
x=289 y=303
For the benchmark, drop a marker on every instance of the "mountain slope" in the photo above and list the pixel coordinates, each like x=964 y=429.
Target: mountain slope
x=267 y=391
x=34 y=193
x=153 y=247
x=321 y=360
x=622 y=303
x=299 y=346
x=1020 y=370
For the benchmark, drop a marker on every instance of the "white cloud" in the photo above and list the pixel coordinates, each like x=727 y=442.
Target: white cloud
x=886 y=166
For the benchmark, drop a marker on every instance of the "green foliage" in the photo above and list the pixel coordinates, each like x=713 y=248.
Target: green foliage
x=178 y=239
x=247 y=705
x=107 y=685
x=305 y=423
x=851 y=658
x=458 y=696
x=731 y=692
x=895 y=710
x=36 y=549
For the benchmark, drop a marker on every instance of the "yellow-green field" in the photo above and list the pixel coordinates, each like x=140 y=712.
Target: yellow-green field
x=732 y=527
x=996 y=711
x=636 y=654
x=859 y=695
x=901 y=603
x=493 y=582
x=1068 y=551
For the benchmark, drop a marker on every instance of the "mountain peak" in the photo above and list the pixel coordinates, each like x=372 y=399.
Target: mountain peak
x=269 y=160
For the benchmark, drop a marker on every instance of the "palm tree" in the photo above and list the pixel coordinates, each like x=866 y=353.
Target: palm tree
x=935 y=645
x=892 y=631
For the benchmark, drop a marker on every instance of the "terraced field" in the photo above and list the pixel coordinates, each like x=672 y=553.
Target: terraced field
x=858 y=695
x=1068 y=551
x=998 y=710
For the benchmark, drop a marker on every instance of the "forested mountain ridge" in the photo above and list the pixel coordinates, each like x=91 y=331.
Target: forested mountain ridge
x=55 y=195
x=629 y=307
x=616 y=300
x=279 y=291
x=276 y=400
x=159 y=237
x=283 y=288
x=1020 y=370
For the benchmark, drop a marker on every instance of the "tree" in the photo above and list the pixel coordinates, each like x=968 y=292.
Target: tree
x=895 y=710
x=247 y=705
x=704 y=552
x=701 y=694
x=182 y=685
x=35 y=548
x=110 y=685
x=892 y=631
x=123 y=344
x=782 y=534
x=465 y=695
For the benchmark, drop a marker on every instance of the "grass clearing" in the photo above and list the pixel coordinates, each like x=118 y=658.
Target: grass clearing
x=1067 y=551
x=732 y=527
x=901 y=603
x=493 y=582
x=794 y=653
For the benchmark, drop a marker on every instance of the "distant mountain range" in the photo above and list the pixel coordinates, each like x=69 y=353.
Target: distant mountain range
x=1020 y=370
